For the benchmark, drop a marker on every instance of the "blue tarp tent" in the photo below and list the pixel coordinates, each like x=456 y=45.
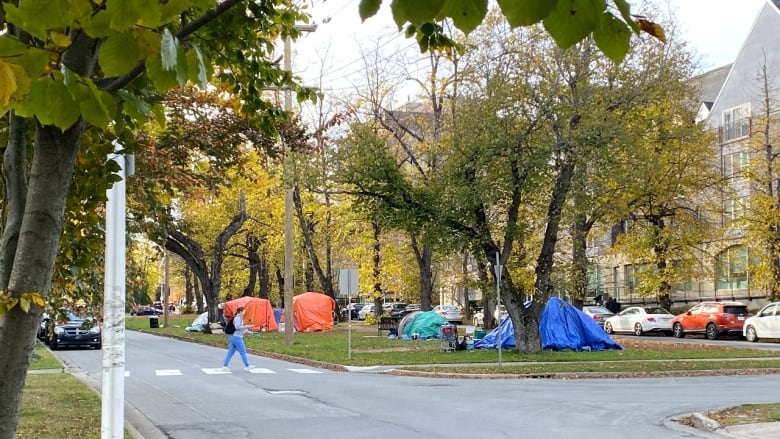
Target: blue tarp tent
x=490 y=340
x=565 y=327
x=562 y=327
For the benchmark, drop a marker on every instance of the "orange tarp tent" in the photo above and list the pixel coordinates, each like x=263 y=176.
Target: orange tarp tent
x=313 y=312
x=258 y=313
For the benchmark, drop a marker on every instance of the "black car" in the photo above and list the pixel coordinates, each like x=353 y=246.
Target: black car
x=353 y=308
x=398 y=310
x=71 y=330
x=145 y=310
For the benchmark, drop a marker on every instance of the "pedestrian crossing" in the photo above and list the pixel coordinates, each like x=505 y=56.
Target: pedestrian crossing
x=221 y=371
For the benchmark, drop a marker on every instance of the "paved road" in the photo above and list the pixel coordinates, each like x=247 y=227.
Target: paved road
x=176 y=385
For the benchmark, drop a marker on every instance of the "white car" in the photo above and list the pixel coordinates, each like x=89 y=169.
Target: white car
x=640 y=320
x=366 y=311
x=765 y=324
x=452 y=313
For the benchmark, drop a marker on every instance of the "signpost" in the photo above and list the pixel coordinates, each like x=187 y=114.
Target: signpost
x=498 y=269
x=348 y=287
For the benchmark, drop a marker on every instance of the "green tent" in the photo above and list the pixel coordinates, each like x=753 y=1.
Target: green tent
x=425 y=325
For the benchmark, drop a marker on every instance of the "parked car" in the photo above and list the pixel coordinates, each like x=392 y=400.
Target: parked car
x=640 y=320
x=395 y=309
x=69 y=329
x=598 y=313
x=452 y=313
x=479 y=317
x=353 y=309
x=765 y=324
x=712 y=319
x=365 y=311
x=413 y=307
x=145 y=310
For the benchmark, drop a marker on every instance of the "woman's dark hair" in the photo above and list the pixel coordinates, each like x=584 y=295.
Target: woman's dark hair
x=239 y=309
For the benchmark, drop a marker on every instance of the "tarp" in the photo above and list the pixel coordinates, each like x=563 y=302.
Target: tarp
x=561 y=327
x=202 y=319
x=313 y=312
x=490 y=340
x=258 y=313
x=405 y=320
x=425 y=324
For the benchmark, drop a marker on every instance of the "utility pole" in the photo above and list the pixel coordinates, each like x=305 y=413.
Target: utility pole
x=288 y=175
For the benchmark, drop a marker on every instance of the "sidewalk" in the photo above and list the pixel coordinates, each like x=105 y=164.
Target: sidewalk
x=711 y=429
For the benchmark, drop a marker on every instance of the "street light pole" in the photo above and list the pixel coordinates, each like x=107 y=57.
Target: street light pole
x=288 y=204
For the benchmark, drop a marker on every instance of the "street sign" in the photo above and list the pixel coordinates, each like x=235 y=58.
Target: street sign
x=348 y=282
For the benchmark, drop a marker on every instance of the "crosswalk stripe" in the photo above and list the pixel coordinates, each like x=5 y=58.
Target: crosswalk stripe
x=168 y=372
x=304 y=371
x=215 y=371
x=260 y=370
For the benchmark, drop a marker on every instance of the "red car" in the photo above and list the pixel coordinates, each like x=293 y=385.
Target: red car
x=712 y=319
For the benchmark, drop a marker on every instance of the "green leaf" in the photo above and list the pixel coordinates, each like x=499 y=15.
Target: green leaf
x=123 y=14
x=417 y=12
x=62 y=106
x=368 y=8
x=613 y=37
x=181 y=67
x=573 y=20
x=162 y=79
x=118 y=54
x=625 y=12
x=202 y=78
x=172 y=9
x=466 y=15
x=34 y=100
x=137 y=108
x=10 y=46
x=24 y=304
x=97 y=106
x=37 y=16
x=528 y=12
x=99 y=26
x=34 y=61
x=168 y=50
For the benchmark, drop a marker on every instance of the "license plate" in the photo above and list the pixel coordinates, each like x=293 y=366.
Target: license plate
x=740 y=318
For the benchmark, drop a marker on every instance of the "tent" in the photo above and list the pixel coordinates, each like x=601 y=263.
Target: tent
x=258 y=313
x=199 y=324
x=313 y=312
x=405 y=320
x=425 y=324
x=562 y=326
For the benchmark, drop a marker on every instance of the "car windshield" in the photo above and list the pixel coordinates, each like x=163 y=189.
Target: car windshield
x=736 y=310
x=597 y=310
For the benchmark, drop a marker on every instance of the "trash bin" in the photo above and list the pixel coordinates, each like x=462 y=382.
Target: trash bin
x=154 y=322
x=479 y=334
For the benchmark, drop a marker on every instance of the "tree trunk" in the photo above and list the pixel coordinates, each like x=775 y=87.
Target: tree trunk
x=376 y=263
x=424 y=258
x=307 y=228
x=32 y=265
x=579 y=269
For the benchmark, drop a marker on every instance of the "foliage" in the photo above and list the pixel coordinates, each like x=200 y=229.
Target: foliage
x=568 y=22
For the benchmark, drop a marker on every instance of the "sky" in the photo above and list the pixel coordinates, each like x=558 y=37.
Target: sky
x=715 y=30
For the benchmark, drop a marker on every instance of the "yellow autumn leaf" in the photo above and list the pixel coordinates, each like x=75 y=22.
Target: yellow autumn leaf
x=38 y=299
x=652 y=28
x=7 y=84
x=61 y=40
x=25 y=304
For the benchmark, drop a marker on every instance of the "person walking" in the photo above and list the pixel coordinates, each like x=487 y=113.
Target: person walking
x=236 y=341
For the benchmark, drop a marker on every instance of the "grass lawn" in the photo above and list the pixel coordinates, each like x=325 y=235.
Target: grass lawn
x=57 y=405
x=368 y=349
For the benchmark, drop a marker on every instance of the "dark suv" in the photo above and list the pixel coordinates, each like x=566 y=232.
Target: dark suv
x=71 y=330
x=712 y=319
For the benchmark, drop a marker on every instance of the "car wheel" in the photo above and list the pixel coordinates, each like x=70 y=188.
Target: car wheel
x=750 y=334
x=53 y=344
x=712 y=331
x=638 y=329
x=677 y=331
x=608 y=328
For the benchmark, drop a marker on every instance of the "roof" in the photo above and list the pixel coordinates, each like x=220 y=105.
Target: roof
x=709 y=83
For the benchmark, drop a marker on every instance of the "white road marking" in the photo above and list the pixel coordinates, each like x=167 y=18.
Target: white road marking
x=167 y=372
x=304 y=371
x=260 y=370
x=215 y=371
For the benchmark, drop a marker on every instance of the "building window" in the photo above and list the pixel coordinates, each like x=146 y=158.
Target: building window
x=736 y=123
x=732 y=268
x=735 y=209
x=735 y=164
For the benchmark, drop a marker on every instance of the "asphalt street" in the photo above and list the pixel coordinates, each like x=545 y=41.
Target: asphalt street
x=176 y=387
